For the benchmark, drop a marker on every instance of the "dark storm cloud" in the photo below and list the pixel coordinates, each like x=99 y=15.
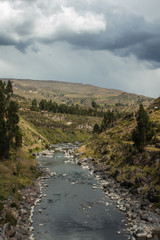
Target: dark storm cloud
x=150 y=50
x=84 y=25
x=6 y=41
x=135 y=36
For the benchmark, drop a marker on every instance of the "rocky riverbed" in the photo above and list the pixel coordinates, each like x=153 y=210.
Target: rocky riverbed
x=143 y=221
x=18 y=218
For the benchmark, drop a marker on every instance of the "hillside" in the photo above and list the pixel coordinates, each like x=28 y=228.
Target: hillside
x=20 y=170
x=76 y=93
x=156 y=104
x=59 y=127
x=113 y=151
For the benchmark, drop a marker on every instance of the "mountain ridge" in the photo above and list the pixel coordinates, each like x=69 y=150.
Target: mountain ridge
x=77 y=93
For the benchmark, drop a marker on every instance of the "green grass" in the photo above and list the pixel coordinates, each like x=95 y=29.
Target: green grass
x=59 y=127
x=114 y=149
x=16 y=173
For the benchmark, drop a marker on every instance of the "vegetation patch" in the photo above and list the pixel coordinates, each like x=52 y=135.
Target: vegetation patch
x=119 y=152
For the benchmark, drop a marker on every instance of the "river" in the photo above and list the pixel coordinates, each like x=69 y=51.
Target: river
x=74 y=205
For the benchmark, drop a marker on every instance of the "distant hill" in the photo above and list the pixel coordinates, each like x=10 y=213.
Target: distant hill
x=156 y=103
x=77 y=93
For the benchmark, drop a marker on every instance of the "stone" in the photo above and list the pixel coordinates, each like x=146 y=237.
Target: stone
x=149 y=235
x=23 y=212
x=140 y=234
x=12 y=233
x=40 y=210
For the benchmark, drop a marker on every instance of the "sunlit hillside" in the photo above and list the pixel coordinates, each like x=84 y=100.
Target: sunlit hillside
x=77 y=93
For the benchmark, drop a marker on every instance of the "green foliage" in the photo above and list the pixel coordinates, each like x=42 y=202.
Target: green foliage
x=94 y=105
x=143 y=133
x=109 y=118
x=96 y=129
x=9 y=119
x=34 y=106
x=68 y=109
x=12 y=119
x=18 y=138
x=4 y=141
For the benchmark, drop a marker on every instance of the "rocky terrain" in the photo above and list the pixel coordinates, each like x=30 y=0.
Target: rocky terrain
x=18 y=219
x=143 y=221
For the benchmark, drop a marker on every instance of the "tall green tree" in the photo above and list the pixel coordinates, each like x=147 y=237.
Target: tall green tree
x=143 y=132
x=34 y=106
x=9 y=131
x=4 y=141
x=108 y=120
x=94 y=104
x=96 y=129
x=18 y=138
x=2 y=100
x=9 y=89
x=12 y=119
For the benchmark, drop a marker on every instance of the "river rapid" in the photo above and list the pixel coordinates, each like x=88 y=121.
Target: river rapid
x=73 y=204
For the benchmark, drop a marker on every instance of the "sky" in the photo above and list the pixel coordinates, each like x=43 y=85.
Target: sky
x=106 y=43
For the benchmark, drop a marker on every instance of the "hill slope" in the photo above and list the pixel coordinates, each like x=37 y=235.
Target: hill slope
x=113 y=151
x=76 y=93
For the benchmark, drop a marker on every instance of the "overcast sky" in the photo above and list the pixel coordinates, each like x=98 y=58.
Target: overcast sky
x=112 y=44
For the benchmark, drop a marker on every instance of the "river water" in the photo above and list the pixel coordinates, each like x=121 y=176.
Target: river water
x=74 y=206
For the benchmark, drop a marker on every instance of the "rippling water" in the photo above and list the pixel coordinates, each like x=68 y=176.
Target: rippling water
x=74 y=206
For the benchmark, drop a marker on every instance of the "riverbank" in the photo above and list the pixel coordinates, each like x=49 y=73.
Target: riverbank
x=74 y=205
x=143 y=221
x=18 y=218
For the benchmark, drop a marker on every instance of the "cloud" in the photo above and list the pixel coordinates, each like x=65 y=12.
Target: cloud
x=20 y=28
x=68 y=23
x=61 y=62
x=89 y=25
x=116 y=43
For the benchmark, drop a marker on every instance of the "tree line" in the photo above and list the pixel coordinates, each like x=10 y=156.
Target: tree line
x=10 y=134
x=64 y=108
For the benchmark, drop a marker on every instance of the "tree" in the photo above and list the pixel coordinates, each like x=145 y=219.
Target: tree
x=9 y=130
x=2 y=100
x=18 y=138
x=34 y=106
x=9 y=89
x=43 y=104
x=4 y=142
x=96 y=129
x=108 y=120
x=94 y=104
x=12 y=119
x=143 y=132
